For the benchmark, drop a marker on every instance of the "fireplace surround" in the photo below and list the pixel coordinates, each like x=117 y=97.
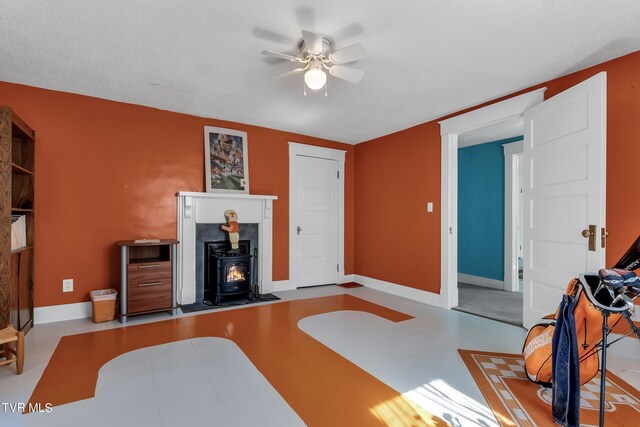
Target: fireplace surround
x=208 y=208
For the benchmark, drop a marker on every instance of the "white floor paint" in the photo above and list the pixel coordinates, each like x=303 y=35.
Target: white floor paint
x=417 y=357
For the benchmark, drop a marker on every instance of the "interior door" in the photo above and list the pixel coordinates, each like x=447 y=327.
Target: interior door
x=564 y=192
x=316 y=221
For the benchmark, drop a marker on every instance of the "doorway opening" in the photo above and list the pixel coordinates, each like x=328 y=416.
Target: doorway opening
x=564 y=164
x=490 y=222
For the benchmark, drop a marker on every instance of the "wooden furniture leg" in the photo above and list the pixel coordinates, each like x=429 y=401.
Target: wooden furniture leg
x=20 y=352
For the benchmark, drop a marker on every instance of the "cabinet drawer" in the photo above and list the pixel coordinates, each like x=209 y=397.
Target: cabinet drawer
x=148 y=271
x=146 y=295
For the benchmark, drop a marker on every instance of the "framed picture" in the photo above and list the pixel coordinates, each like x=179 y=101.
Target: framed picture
x=225 y=160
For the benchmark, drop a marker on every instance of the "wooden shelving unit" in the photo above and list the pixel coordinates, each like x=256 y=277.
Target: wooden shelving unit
x=17 y=155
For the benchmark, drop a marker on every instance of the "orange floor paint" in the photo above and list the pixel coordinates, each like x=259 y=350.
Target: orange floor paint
x=322 y=387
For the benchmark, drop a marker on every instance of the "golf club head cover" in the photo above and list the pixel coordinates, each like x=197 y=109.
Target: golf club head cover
x=611 y=279
x=631 y=280
x=631 y=259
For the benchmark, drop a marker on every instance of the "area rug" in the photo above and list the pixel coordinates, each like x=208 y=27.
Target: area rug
x=201 y=306
x=516 y=401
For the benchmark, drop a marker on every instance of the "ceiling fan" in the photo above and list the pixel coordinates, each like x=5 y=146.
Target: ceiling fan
x=317 y=57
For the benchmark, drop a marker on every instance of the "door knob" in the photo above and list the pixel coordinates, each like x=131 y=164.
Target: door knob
x=591 y=235
x=299 y=230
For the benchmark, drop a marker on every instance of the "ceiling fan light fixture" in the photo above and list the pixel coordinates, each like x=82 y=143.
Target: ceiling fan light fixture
x=315 y=78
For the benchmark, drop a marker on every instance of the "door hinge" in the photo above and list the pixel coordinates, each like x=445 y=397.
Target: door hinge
x=338 y=268
x=338 y=174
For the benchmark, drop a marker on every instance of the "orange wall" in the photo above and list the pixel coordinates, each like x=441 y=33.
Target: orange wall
x=108 y=171
x=397 y=174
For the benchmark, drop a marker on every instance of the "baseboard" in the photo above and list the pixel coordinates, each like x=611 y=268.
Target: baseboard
x=347 y=278
x=480 y=281
x=287 y=285
x=399 y=290
x=283 y=285
x=59 y=313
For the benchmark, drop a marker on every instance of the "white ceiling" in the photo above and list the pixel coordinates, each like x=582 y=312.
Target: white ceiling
x=426 y=58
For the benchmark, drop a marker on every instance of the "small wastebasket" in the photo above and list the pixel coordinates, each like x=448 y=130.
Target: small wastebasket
x=104 y=305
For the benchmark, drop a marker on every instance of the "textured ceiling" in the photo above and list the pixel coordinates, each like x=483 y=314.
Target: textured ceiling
x=426 y=58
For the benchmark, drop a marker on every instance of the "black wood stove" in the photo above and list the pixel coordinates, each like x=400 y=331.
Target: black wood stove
x=227 y=273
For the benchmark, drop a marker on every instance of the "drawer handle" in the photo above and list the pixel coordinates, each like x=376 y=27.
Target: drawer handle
x=150 y=266
x=149 y=284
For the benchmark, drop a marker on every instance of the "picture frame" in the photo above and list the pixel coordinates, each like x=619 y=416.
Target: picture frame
x=226 y=160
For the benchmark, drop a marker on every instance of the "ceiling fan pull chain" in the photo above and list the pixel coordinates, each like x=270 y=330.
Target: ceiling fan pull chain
x=304 y=88
x=326 y=87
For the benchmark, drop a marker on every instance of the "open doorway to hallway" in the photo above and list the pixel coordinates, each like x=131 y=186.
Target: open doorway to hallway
x=490 y=222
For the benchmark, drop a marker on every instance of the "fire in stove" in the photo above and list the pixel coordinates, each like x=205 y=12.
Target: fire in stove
x=235 y=273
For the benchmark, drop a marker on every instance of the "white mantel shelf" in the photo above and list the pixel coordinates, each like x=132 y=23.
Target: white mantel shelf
x=208 y=208
x=225 y=195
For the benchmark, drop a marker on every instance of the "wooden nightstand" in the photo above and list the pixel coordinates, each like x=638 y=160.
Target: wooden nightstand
x=147 y=277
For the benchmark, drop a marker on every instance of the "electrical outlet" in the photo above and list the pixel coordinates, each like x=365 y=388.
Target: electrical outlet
x=67 y=285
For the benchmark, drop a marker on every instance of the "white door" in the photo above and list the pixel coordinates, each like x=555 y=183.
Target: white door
x=564 y=192
x=316 y=221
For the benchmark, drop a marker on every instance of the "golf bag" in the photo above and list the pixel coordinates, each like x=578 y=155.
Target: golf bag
x=537 y=346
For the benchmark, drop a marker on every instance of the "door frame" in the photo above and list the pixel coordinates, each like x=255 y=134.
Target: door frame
x=297 y=149
x=511 y=172
x=449 y=131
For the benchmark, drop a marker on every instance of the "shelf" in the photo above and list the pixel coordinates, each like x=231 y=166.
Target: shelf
x=20 y=128
x=19 y=169
x=17 y=251
x=21 y=210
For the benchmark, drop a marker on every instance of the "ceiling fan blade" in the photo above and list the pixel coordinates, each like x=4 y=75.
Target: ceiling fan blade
x=282 y=56
x=290 y=73
x=349 y=74
x=352 y=53
x=313 y=42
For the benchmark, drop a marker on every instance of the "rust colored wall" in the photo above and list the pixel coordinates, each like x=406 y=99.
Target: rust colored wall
x=108 y=171
x=396 y=239
x=397 y=174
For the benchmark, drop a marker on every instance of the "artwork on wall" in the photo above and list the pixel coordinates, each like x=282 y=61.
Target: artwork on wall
x=225 y=160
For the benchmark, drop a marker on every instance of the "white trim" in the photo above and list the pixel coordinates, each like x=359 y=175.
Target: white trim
x=287 y=285
x=449 y=130
x=283 y=285
x=62 y=312
x=492 y=114
x=399 y=290
x=225 y=195
x=297 y=149
x=348 y=278
x=511 y=152
x=485 y=282
x=194 y=208
x=449 y=222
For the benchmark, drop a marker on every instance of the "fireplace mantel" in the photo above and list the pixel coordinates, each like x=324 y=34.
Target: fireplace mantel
x=208 y=208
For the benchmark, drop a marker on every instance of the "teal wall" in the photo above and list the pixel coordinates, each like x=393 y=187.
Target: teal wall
x=481 y=209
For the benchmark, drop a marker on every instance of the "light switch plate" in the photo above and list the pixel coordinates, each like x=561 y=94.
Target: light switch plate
x=67 y=285
x=430 y=207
